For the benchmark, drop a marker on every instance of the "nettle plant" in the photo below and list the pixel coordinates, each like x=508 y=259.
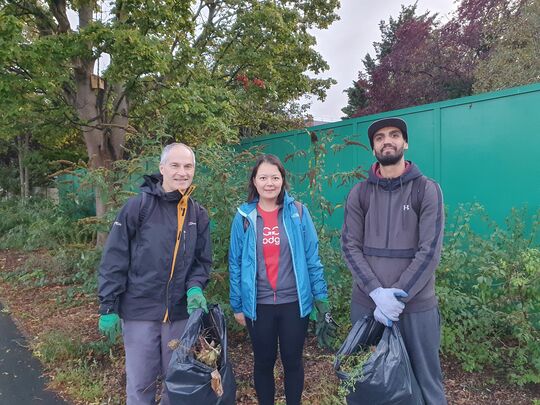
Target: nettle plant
x=489 y=290
x=318 y=176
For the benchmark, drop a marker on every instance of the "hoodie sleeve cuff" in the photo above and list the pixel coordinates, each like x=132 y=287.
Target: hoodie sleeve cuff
x=372 y=286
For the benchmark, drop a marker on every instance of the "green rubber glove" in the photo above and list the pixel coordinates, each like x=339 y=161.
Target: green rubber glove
x=109 y=325
x=325 y=326
x=195 y=299
x=324 y=307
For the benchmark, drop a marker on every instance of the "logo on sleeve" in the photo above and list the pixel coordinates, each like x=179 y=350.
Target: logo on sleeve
x=406 y=207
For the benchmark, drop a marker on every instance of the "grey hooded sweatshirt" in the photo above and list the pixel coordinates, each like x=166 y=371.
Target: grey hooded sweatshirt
x=389 y=245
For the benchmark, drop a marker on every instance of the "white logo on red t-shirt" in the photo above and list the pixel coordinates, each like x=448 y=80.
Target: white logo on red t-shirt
x=270 y=236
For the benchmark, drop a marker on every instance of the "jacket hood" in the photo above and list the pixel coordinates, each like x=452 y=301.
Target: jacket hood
x=411 y=172
x=248 y=207
x=152 y=184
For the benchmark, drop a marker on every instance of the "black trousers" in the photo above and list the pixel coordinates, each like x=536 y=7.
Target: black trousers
x=278 y=323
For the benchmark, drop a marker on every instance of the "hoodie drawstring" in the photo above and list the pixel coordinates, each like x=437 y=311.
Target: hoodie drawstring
x=377 y=221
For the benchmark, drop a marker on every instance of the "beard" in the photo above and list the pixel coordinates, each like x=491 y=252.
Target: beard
x=391 y=159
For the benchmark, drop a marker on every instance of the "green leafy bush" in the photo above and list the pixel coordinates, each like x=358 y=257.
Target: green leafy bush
x=489 y=290
x=37 y=223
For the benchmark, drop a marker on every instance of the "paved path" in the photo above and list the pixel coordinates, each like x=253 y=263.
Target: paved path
x=21 y=380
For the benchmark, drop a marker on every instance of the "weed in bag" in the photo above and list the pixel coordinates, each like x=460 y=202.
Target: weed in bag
x=374 y=368
x=199 y=371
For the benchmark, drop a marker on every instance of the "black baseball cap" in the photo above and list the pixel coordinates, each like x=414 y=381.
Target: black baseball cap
x=387 y=122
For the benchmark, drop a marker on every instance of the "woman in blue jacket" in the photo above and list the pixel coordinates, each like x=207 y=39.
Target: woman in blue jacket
x=276 y=279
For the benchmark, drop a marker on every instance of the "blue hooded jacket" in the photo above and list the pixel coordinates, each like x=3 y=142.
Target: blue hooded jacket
x=304 y=246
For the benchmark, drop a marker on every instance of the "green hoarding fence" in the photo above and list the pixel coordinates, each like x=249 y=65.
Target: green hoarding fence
x=75 y=199
x=480 y=149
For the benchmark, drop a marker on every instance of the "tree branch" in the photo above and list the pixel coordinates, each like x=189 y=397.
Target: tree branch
x=44 y=20
x=58 y=9
x=198 y=12
x=208 y=26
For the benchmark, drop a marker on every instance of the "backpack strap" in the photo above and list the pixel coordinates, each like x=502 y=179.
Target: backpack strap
x=143 y=209
x=365 y=193
x=299 y=207
x=417 y=193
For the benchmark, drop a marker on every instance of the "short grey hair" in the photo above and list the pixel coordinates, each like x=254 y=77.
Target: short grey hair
x=167 y=149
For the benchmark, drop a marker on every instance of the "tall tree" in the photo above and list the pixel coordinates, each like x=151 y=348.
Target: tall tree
x=469 y=38
x=198 y=70
x=30 y=120
x=396 y=31
x=515 y=57
x=418 y=61
x=357 y=99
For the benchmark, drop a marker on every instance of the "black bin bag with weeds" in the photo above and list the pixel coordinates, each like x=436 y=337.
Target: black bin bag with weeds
x=374 y=368
x=199 y=371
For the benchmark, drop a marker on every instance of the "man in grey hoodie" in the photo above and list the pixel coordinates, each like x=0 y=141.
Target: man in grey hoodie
x=391 y=241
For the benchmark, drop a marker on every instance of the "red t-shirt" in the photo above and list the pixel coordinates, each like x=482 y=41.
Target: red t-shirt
x=270 y=244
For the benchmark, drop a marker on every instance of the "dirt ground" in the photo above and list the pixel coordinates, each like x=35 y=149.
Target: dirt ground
x=36 y=311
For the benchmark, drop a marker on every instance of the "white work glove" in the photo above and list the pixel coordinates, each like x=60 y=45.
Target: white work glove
x=379 y=317
x=387 y=303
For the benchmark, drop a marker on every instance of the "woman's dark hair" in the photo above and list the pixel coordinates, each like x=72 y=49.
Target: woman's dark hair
x=273 y=160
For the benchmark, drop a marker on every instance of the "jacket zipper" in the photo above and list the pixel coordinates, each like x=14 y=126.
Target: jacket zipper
x=294 y=265
x=254 y=309
x=184 y=244
x=176 y=246
x=181 y=214
x=388 y=219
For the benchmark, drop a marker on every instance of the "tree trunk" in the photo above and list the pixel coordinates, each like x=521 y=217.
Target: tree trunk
x=103 y=130
x=22 y=142
x=104 y=140
x=26 y=148
x=21 y=166
x=26 y=182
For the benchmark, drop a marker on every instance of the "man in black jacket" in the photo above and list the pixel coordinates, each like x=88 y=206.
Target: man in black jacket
x=154 y=267
x=391 y=240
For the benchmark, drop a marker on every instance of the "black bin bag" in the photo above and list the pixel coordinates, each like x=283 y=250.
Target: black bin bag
x=188 y=380
x=386 y=376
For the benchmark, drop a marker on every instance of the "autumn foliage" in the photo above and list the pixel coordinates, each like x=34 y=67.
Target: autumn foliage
x=419 y=60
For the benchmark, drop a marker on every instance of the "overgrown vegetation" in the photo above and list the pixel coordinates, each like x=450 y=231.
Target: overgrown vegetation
x=38 y=223
x=222 y=182
x=489 y=291
x=316 y=178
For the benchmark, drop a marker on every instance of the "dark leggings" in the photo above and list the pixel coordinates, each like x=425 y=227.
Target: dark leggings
x=280 y=322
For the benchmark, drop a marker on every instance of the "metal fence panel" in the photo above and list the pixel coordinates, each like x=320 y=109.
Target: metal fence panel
x=480 y=148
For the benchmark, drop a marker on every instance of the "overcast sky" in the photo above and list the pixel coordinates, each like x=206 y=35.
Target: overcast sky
x=347 y=41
